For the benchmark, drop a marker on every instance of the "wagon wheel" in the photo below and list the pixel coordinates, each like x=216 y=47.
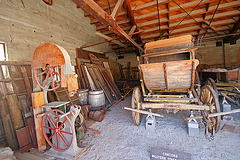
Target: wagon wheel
x=197 y=83
x=126 y=88
x=209 y=97
x=80 y=126
x=212 y=83
x=61 y=129
x=53 y=73
x=136 y=100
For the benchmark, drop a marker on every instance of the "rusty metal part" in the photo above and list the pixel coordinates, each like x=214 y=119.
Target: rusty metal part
x=97 y=12
x=97 y=115
x=47 y=54
x=85 y=110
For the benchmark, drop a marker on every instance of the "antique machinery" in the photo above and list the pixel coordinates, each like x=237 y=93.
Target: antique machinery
x=52 y=68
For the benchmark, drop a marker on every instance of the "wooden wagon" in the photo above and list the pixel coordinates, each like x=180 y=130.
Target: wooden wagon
x=169 y=81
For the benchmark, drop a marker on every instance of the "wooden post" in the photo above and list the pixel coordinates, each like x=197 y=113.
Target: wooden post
x=26 y=81
x=38 y=101
x=14 y=111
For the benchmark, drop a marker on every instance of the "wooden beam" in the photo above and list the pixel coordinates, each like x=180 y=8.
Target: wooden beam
x=233 y=30
x=96 y=11
x=132 y=29
x=168 y=17
x=109 y=38
x=131 y=16
x=117 y=8
x=177 y=17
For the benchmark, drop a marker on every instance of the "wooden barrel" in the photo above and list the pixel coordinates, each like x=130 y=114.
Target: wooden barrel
x=83 y=95
x=96 y=115
x=96 y=99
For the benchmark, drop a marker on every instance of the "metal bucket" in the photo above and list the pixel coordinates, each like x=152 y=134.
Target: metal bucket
x=83 y=95
x=96 y=99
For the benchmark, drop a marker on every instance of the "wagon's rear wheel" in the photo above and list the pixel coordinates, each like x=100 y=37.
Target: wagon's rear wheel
x=197 y=83
x=209 y=97
x=136 y=102
x=212 y=83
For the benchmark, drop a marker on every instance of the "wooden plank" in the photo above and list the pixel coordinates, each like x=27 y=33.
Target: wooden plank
x=26 y=81
x=169 y=42
x=117 y=9
x=14 y=111
x=106 y=65
x=32 y=131
x=72 y=83
x=25 y=106
x=24 y=139
x=173 y=47
x=7 y=124
x=15 y=63
x=85 y=76
x=99 y=81
x=165 y=75
x=108 y=38
x=38 y=101
x=111 y=84
x=154 y=74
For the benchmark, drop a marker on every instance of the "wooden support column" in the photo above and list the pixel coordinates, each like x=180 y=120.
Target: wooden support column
x=7 y=125
x=38 y=101
x=165 y=75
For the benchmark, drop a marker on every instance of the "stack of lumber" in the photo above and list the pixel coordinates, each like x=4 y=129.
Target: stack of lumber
x=94 y=75
x=182 y=43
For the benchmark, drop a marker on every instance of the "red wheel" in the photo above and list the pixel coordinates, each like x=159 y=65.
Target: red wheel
x=61 y=130
x=49 y=72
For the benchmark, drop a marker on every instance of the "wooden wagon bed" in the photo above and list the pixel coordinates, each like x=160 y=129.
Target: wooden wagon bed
x=169 y=75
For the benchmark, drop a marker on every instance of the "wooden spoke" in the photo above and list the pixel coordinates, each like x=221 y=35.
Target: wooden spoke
x=136 y=99
x=49 y=72
x=52 y=135
x=209 y=97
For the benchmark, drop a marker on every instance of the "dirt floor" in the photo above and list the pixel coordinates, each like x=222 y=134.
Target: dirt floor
x=120 y=139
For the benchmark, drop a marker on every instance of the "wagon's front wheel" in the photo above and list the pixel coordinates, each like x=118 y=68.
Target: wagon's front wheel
x=136 y=104
x=209 y=98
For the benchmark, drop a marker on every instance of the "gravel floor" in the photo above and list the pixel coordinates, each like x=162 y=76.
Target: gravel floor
x=120 y=139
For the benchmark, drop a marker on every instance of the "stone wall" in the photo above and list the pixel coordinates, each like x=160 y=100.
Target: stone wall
x=209 y=54
x=25 y=24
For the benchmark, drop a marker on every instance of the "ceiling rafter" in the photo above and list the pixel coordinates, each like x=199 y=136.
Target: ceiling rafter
x=236 y=27
x=95 y=10
x=132 y=19
x=117 y=8
x=211 y=9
